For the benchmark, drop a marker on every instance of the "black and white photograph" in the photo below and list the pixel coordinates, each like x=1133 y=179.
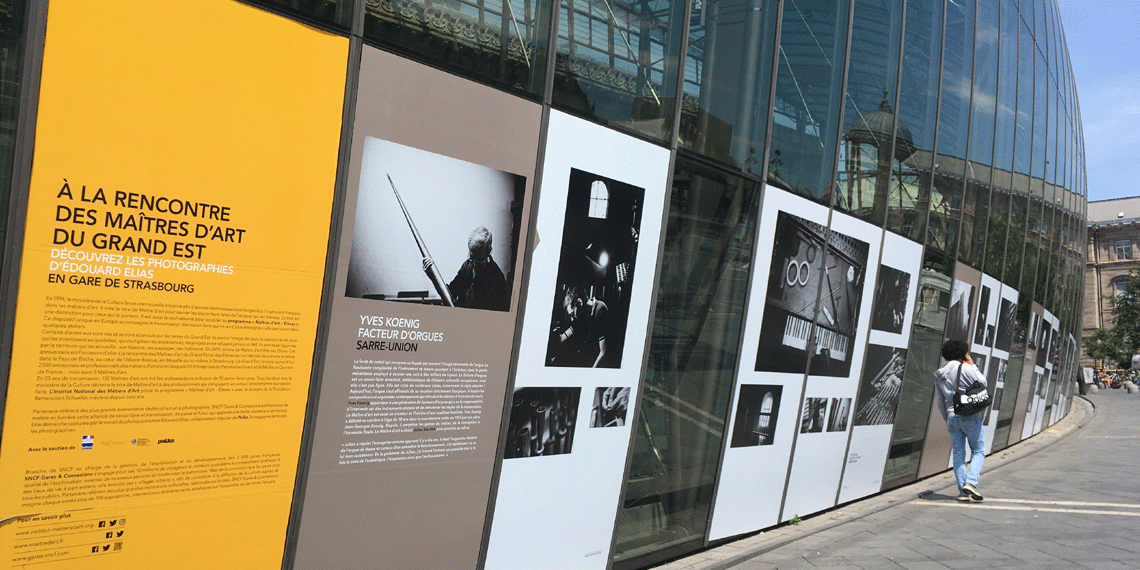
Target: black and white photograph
x=958 y=317
x=757 y=410
x=1034 y=334
x=805 y=253
x=595 y=272
x=814 y=416
x=611 y=405
x=1045 y=343
x=840 y=412
x=995 y=375
x=1007 y=316
x=542 y=422
x=891 y=291
x=979 y=360
x=880 y=385
x=995 y=405
x=431 y=229
x=983 y=330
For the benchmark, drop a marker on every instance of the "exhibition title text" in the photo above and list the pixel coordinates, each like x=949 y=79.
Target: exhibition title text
x=120 y=216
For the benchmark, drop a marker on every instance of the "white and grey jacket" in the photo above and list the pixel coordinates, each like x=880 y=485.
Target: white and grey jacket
x=947 y=381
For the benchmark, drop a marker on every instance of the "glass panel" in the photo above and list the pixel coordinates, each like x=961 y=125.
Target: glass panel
x=338 y=13
x=1045 y=264
x=909 y=194
x=1051 y=147
x=975 y=211
x=1015 y=244
x=11 y=69
x=957 y=59
x=1040 y=114
x=1024 y=144
x=806 y=109
x=917 y=391
x=617 y=62
x=945 y=204
x=866 y=159
x=692 y=359
x=499 y=42
x=727 y=80
x=985 y=84
x=953 y=127
x=999 y=214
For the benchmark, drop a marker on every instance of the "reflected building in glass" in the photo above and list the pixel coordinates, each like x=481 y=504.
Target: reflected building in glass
x=952 y=127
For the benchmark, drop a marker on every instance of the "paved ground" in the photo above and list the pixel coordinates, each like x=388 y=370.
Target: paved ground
x=1066 y=498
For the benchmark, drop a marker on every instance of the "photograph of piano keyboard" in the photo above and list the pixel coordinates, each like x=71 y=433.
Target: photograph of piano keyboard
x=804 y=257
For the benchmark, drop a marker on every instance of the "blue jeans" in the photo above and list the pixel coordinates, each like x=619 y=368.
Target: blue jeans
x=967 y=429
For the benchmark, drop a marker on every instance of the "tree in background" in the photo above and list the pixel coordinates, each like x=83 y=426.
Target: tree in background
x=1119 y=343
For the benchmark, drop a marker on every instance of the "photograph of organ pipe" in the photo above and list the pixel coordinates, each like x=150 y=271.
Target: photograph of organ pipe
x=542 y=422
x=879 y=392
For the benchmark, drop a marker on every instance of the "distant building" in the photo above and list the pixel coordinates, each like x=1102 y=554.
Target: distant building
x=1113 y=237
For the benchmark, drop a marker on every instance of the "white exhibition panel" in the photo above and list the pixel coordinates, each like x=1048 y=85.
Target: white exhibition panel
x=818 y=458
x=985 y=333
x=1037 y=338
x=1051 y=325
x=879 y=390
x=753 y=475
x=1004 y=314
x=572 y=488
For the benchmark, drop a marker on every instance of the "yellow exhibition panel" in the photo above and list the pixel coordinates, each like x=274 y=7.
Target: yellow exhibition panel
x=170 y=282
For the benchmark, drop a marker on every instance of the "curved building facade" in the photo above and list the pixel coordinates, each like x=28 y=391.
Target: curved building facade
x=514 y=284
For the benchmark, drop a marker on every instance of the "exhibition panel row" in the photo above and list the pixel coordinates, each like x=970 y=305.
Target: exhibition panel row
x=589 y=303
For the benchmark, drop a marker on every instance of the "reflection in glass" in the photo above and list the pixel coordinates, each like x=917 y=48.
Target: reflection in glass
x=807 y=105
x=984 y=100
x=909 y=191
x=500 y=42
x=999 y=221
x=1040 y=114
x=974 y=213
x=917 y=391
x=1023 y=153
x=945 y=204
x=335 y=12
x=724 y=111
x=865 y=164
x=617 y=62
x=692 y=359
x=1006 y=123
x=957 y=74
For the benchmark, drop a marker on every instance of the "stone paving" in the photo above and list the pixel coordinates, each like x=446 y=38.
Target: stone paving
x=1066 y=498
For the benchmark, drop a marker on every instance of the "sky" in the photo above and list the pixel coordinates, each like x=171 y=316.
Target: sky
x=1104 y=46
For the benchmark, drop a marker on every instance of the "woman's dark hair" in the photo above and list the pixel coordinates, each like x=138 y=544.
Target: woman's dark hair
x=954 y=349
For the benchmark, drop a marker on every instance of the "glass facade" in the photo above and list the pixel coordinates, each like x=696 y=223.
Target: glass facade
x=11 y=69
x=953 y=125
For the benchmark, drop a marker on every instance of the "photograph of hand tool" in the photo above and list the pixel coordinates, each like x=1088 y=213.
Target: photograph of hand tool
x=1007 y=315
x=891 y=292
x=958 y=317
x=840 y=412
x=984 y=331
x=610 y=407
x=542 y=422
x=879 y=388
x=757 y=410
x=814 y=416
x=435 y=230
x=995 y=374
x=595 y=272
x=804 y=252
x=1047 y=344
